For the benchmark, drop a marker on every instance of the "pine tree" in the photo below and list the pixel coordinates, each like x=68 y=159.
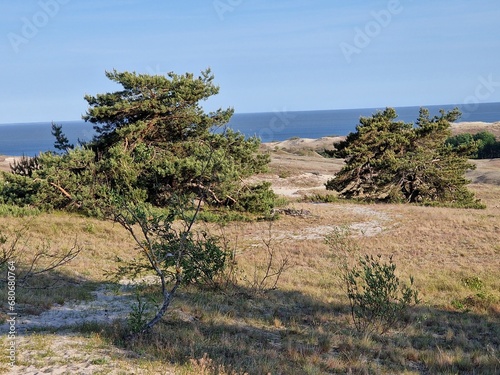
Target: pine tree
x=62 y=142
x=154 y=143
x=155 y=135
x=389 y=160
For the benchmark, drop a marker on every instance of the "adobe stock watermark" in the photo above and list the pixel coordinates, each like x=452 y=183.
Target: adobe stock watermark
x=222 y=7
x=12 y=314
x=31 y=26
x=482 y=93
x=363 y=36
x=277 y=124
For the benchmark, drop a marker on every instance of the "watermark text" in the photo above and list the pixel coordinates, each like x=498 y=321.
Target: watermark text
x=363 y=36
x=12 y=314
x=31 y=26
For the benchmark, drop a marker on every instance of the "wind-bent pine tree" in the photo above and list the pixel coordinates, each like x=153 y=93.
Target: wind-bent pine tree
x=392 y=161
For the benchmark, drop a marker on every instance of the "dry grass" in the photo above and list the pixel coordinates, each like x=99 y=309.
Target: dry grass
x=303 y=327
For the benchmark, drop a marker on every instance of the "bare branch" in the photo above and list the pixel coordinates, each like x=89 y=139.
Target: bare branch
x=56 y=260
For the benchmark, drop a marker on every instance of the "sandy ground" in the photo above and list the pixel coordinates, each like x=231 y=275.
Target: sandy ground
x=303 y=144
x=63 y=352
x=476 y=127
x=6 y=161
x=487 y=172
x=107 y=305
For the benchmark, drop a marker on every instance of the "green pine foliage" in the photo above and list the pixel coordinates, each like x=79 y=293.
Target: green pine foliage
x=62 y=142
x=153 y=141
x=393 y=161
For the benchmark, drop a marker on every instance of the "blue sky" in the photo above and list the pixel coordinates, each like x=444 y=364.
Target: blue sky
x=266 y=56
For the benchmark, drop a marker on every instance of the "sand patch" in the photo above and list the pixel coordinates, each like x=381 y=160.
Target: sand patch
x=66 y=352
x=7 y=161
x=476 y=127
x=108 y=304
x=72 y=354
x=303 y=144
x=376 y=222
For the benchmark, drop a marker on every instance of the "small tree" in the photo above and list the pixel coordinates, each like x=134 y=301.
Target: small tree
x=388 y=160
x=62 y=142
x=173 y=256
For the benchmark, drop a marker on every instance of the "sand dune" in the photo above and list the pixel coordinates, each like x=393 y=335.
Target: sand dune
x=6 y=161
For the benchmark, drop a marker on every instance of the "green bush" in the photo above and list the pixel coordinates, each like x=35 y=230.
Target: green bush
x=173 y=254
x=138 y=317
x=223 y=216
x=377 y=299
x=258 y=199
x=19 y=190
x=198 y=256
x=481 y=299
x=17 y=211
x=487 y=145
x=321 y=198
x=204 y=261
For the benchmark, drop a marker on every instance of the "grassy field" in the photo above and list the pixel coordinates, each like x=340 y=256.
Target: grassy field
x=304 y=325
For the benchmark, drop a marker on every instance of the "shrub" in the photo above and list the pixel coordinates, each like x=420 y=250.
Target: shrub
x=25 y=166
x=175 y=256
x=16 y=211
x=258 y=199
x=19 y=190
x=138 y=317
x=204 y=260
x=321 y=198
x=487 y=145
x=480 y=300
x=377 y=298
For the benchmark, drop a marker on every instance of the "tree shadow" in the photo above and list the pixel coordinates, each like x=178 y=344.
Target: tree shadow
x=457 y=342
x=273 y=332
x=41 y=294
x=279 y=331
x=290 y=332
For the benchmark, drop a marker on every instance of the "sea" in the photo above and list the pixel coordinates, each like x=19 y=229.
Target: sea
x=32 y=138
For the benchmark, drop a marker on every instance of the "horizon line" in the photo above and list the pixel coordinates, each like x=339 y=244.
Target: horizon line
x=284 y=110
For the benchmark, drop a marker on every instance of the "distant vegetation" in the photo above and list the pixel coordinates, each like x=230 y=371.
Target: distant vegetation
x=485 y=142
